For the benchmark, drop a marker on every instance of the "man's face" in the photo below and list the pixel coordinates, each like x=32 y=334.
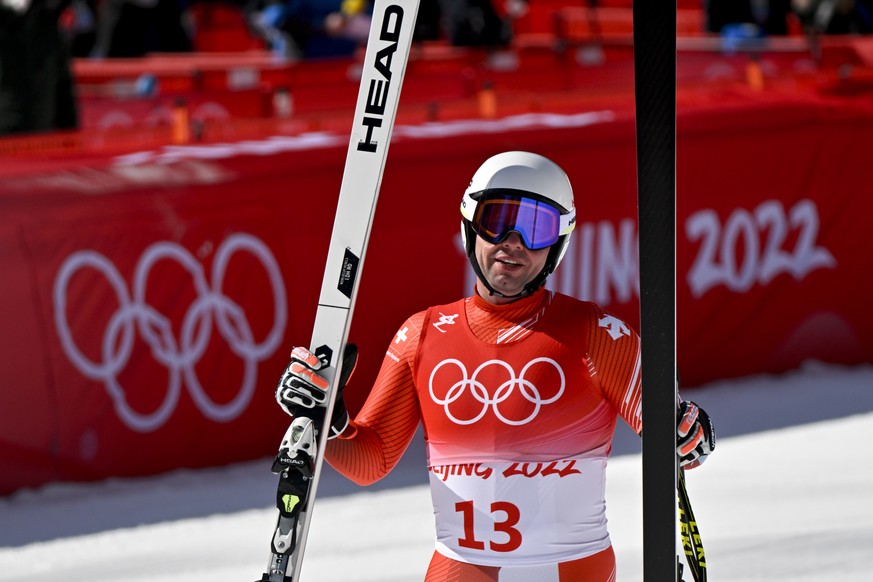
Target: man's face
x=508 y=266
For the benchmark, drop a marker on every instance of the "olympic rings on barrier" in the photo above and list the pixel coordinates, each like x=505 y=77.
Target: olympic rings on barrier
x=179 y=355
x=526 y=390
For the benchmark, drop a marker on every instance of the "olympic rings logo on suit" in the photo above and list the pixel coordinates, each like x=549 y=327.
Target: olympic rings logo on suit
x=527 y=391
x=179 y=355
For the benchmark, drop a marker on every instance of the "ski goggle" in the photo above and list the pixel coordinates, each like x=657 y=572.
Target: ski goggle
x=538 y=223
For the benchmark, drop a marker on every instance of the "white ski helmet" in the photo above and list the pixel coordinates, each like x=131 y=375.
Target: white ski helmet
x=524 y=193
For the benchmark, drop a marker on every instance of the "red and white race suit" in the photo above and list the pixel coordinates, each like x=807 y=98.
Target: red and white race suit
x=518 y=404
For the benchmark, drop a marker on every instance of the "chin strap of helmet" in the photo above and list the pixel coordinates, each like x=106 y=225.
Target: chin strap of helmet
x=533 y=284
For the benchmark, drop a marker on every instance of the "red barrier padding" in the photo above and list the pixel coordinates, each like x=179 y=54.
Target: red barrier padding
x=153 y=296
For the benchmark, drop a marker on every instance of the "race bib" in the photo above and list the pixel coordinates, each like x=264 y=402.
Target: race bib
x=520 y=513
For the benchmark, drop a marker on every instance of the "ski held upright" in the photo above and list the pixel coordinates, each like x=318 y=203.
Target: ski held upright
x=301 y=453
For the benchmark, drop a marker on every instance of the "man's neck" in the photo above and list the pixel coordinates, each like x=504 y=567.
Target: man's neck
x=494 y=298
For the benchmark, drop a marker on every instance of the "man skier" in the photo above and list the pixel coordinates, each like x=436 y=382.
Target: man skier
x=518 y=390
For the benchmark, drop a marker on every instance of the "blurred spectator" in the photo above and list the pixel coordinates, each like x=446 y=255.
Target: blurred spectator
x=770 y=17
x=133 y=28
x=312 y=28
x=79 y=25
x=36 y=84
x=475 y=23
x=835 y=16
x=322 y=28
x=351 y=21
x=428 y=25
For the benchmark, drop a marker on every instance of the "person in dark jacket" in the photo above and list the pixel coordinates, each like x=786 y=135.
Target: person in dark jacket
x=36 y=81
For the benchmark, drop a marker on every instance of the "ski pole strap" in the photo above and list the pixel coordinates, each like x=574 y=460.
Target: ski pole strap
x=692 y=544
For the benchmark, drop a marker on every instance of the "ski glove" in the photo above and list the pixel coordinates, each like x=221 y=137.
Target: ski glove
x=302 y=389
x=695 y=435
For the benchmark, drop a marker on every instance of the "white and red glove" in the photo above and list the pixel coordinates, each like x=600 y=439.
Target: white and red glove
x=302 y=390
x=695 y=435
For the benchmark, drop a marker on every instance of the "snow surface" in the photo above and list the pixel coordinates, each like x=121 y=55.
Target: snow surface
x=788 y=495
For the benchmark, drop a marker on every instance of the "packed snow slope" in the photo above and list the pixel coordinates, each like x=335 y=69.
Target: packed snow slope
x=788 y=495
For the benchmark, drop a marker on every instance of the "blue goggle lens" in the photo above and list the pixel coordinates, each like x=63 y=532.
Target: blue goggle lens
x=537 y=223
